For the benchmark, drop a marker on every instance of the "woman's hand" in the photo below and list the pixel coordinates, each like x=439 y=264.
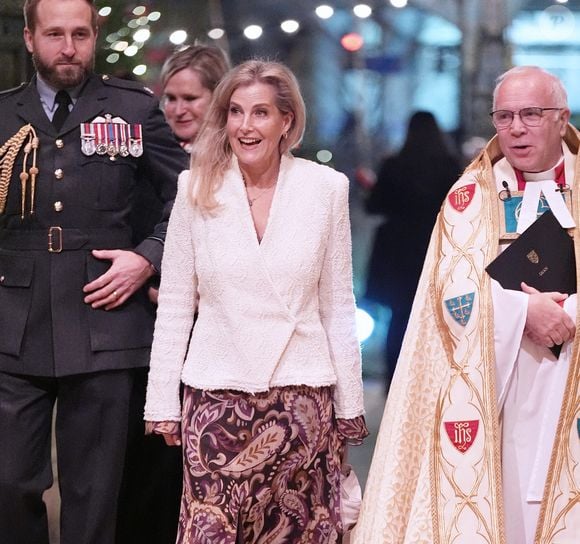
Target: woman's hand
x=170 y=430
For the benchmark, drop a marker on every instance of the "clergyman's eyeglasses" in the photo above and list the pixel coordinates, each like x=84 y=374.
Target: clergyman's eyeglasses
x=531 y=117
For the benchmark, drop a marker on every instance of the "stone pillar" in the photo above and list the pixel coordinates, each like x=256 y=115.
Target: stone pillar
x=484 y=56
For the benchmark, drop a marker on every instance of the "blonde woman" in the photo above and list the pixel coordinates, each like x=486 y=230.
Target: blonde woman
x=259 y=245
x=188 y=79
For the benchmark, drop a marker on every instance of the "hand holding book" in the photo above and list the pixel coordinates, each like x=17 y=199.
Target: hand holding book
x=547 y=324
x=542 y=257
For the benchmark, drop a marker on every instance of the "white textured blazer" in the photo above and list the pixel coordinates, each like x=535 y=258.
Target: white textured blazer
x=276 y=313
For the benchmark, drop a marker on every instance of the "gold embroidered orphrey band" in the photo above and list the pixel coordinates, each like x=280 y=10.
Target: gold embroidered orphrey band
x=466 y=489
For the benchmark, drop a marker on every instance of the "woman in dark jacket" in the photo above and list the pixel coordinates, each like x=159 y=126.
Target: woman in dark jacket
x=410 y=188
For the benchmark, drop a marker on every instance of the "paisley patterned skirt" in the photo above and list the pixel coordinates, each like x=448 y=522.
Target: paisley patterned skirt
x=265 y=467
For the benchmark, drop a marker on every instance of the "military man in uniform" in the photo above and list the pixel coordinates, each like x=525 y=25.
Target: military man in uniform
x=74 y=322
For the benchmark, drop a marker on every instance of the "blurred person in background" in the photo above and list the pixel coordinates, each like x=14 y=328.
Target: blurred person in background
x=409 y=190
x=153 y=476
x=188 y=79
x=259 y=246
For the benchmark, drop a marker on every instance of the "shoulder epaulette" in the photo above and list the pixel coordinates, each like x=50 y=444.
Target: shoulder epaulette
x=14 y=90
x=126 y=84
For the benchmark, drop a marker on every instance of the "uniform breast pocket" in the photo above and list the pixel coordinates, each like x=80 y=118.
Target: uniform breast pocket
x=15 y=297
x=107 y=184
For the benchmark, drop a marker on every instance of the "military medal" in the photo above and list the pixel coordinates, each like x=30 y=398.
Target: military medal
x=111 y=136
x=101 y=142
x=123 y=149
x=111 y=144
x=88 y=146
x=135 y=140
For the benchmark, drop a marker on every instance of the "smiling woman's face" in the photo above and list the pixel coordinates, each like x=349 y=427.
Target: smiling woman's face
x=255 y=126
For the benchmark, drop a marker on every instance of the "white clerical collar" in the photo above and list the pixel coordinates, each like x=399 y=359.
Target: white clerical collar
x=546 y=174
x=543 y=183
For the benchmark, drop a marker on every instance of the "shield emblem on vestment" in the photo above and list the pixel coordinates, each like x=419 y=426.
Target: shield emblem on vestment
x=462 y=197
x=462 y=433
x=460 y=307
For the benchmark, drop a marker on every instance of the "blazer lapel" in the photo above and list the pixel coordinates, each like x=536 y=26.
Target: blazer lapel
x=29 y=109
x=233 y=196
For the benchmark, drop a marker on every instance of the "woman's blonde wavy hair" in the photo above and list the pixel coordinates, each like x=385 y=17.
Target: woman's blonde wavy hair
x=213 y=153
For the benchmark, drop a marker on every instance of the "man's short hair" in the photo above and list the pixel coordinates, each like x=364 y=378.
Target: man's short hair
x=558 y=91
x=30 y=14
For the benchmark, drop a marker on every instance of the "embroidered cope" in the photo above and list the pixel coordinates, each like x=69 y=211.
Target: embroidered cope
x=465 y=371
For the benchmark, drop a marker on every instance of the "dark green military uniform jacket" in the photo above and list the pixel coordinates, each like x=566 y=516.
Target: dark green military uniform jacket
x=79 y=202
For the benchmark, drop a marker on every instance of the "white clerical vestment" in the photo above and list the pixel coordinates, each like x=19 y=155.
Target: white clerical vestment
x=480 y=440
x=530 y=385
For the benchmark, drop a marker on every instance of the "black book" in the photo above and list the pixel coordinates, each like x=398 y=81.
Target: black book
x=542 y=256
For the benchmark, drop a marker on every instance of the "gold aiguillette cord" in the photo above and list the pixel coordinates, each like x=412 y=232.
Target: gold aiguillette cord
x=8 y=153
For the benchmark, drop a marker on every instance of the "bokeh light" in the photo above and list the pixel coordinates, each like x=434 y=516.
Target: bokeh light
x=142 y=35
x=290 y=26
x=216 y=33
x=365 y=325
x=131 y=51
x=362 y=11
x=324 y=156
x=178 y=37
x=140 y=69
x=324 y=11
x=352 y=41
x=253 y=32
